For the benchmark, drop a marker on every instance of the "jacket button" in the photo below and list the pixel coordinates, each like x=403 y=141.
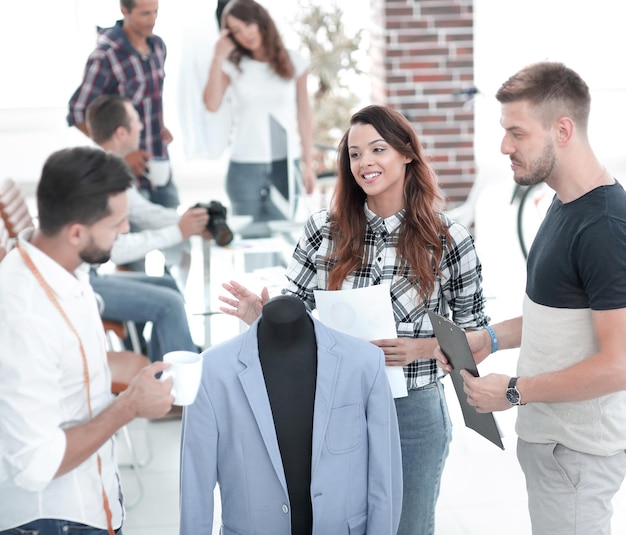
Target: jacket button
x=285 y=508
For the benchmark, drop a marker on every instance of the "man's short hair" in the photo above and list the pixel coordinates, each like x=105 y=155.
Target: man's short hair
x=105 y=114
x=551 y=87
x=128 y=4
x=75 y=187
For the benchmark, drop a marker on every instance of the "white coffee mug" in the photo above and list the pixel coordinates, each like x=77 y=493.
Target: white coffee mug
x=186 y=371
x=158 y=171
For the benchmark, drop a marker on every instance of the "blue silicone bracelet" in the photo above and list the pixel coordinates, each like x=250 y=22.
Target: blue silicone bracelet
x=494 y=338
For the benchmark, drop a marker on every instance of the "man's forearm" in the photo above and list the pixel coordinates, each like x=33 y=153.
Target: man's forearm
x=509 y=333
x=84 y=440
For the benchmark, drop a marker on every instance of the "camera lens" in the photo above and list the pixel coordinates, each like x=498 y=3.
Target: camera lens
x=217 y=223
x=221 y=233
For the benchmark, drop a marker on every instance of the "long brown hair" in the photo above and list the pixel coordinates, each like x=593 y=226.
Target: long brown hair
x=250 y=12
x=419 y=242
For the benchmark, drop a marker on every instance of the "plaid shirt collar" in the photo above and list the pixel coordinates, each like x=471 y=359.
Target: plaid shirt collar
x=116 y=36
x=382 y=226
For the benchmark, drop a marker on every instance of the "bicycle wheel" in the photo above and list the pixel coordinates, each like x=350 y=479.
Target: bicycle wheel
x=533 y=205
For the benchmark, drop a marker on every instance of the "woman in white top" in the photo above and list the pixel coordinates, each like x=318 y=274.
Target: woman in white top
x=268 y=82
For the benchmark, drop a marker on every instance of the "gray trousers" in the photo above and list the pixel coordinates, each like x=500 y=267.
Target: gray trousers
x=569 y=492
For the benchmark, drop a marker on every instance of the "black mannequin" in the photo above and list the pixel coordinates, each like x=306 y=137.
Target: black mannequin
x=288 y=354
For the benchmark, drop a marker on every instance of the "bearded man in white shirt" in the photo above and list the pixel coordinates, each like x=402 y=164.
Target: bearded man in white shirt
x=58 y=465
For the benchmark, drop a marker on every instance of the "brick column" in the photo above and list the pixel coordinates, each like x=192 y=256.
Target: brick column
x=422 y=55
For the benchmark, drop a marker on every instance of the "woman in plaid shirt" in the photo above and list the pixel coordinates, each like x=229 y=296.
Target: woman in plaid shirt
x=385 y=227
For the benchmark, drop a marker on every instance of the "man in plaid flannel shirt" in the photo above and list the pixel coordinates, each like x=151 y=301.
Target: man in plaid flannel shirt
x=129 y=60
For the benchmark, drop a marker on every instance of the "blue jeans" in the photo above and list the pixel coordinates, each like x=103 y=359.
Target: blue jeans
x=248 y=188
x=164 y=195
x=425 y=435
x=131 y=296
x=55 y=527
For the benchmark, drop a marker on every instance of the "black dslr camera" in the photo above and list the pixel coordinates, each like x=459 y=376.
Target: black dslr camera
x=217 y=222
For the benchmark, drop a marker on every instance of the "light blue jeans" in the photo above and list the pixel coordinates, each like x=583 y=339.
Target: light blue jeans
x=56 y=527
x=164 y=195
x=248 y=188
x=425 y=435
x=132 y=296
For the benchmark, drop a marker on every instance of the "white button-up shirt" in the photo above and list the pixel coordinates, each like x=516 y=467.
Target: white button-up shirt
x=42 y=391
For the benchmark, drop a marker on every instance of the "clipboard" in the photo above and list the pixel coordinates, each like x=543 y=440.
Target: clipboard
x=453 y=343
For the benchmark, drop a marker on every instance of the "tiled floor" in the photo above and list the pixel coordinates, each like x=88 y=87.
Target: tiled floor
x=482 y=490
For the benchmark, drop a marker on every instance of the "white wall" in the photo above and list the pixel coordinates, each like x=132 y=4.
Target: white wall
x=44 y=46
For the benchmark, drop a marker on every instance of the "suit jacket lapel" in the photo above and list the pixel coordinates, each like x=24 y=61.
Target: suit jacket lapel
x=327 y=371
x=253 y=385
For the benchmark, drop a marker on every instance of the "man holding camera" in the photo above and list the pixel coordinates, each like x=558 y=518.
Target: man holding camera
x=113 y=123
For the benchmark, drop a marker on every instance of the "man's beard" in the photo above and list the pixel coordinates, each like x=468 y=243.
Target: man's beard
x=92 y=254
x=540 y=169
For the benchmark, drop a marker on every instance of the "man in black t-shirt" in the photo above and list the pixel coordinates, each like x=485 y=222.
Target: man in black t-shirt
x=571 y=389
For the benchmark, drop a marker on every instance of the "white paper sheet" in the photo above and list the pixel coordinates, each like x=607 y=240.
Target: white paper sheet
x=365 y=313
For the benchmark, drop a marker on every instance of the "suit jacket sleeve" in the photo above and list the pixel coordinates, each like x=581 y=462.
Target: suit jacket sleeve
x=198 y=475
x=385 y=458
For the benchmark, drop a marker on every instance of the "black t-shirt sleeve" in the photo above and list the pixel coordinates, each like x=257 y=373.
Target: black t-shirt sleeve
x=601 y=253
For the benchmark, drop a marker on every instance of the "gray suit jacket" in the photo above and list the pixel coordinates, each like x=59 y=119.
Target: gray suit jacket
x=228 y=438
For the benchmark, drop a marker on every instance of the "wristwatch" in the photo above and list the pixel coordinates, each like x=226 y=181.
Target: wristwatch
x=512 y=394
